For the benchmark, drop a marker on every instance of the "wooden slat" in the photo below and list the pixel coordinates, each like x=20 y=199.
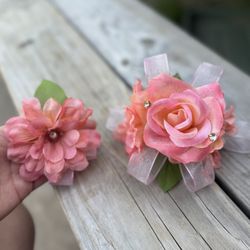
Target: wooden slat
x=107 y=208
x=126 y=31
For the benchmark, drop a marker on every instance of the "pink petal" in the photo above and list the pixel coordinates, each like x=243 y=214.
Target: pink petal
x=53 y=152
x=37 y=148
x=19 y=130
x=212 y=90
x=32 y=108
x=74 y=115
x=164 y=85
x=178 y=154
x=69 y=152
x=53 y=168
x=216 y=116
x=79 y=163
x=52 y=109
x=161 y=143
x=14 y=121
x=162 y=105
x=191 y=137
x=71 y=137
x=89 y=137
x=195 y=103
x=33 y=113
x=78 y=158
x=189 y=118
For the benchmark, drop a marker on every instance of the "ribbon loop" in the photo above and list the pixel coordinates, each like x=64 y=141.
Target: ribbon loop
x=207 y=73
x=156 y=65
x=240 y=142
x=146 y=165
x=198 y=175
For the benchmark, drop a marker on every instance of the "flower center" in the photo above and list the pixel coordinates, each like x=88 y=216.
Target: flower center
x=53 y=135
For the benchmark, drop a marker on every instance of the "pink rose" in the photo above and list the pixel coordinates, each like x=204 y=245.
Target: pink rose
x=130 y=132
x=52 y=140
x=184 y=124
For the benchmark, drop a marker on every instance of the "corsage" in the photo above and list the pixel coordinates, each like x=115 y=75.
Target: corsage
x=174 y=130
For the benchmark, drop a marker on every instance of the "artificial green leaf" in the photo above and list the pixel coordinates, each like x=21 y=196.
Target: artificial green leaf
x=177 y=75
x=169 y=176
x=48 y=89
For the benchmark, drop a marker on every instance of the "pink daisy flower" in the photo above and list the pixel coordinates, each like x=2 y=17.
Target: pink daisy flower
x=52 y=141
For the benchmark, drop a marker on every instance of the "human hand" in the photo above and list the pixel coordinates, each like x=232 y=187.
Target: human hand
x=13 y=189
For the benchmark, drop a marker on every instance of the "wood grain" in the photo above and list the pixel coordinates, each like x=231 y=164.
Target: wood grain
x=125 y=32
x=107 y=208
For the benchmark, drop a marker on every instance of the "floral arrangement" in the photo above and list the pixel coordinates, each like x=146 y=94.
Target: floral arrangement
x=53 y=137
x=173 y=129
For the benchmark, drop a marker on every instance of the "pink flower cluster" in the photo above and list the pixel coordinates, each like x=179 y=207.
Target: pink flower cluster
x=52 y=140
x=182 y=122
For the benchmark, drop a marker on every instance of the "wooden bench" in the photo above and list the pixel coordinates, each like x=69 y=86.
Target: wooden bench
x=93 y=49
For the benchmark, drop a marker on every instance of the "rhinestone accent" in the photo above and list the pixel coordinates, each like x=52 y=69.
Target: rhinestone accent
x=147 y=104
x=212 y=137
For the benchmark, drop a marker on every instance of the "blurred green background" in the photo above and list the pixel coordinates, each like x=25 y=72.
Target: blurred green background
x=223 y=25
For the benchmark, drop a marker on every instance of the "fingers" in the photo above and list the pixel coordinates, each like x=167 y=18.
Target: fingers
x=90 y=124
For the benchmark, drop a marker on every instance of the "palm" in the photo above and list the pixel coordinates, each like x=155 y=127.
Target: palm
x=13 y=189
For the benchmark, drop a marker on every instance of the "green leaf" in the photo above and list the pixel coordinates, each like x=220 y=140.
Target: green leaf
x=48 y=89
x=177 y=75
x=169 y=176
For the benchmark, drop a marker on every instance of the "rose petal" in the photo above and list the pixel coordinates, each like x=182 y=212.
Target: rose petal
x=191 y=137
x=215 y=115
x=164 y=85
x=155 y=119
x=195 y=103
x=212 y=90
x=161 y=143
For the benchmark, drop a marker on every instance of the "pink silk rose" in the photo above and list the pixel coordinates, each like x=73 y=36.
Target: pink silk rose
x=180 y=125
x=130 y=132
x=52 y=140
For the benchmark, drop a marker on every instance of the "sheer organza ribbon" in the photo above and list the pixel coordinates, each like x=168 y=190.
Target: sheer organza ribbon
x=145 y=165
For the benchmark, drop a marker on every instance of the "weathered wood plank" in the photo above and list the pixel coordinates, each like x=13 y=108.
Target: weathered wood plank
x=107 y=208
x=126 y=31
